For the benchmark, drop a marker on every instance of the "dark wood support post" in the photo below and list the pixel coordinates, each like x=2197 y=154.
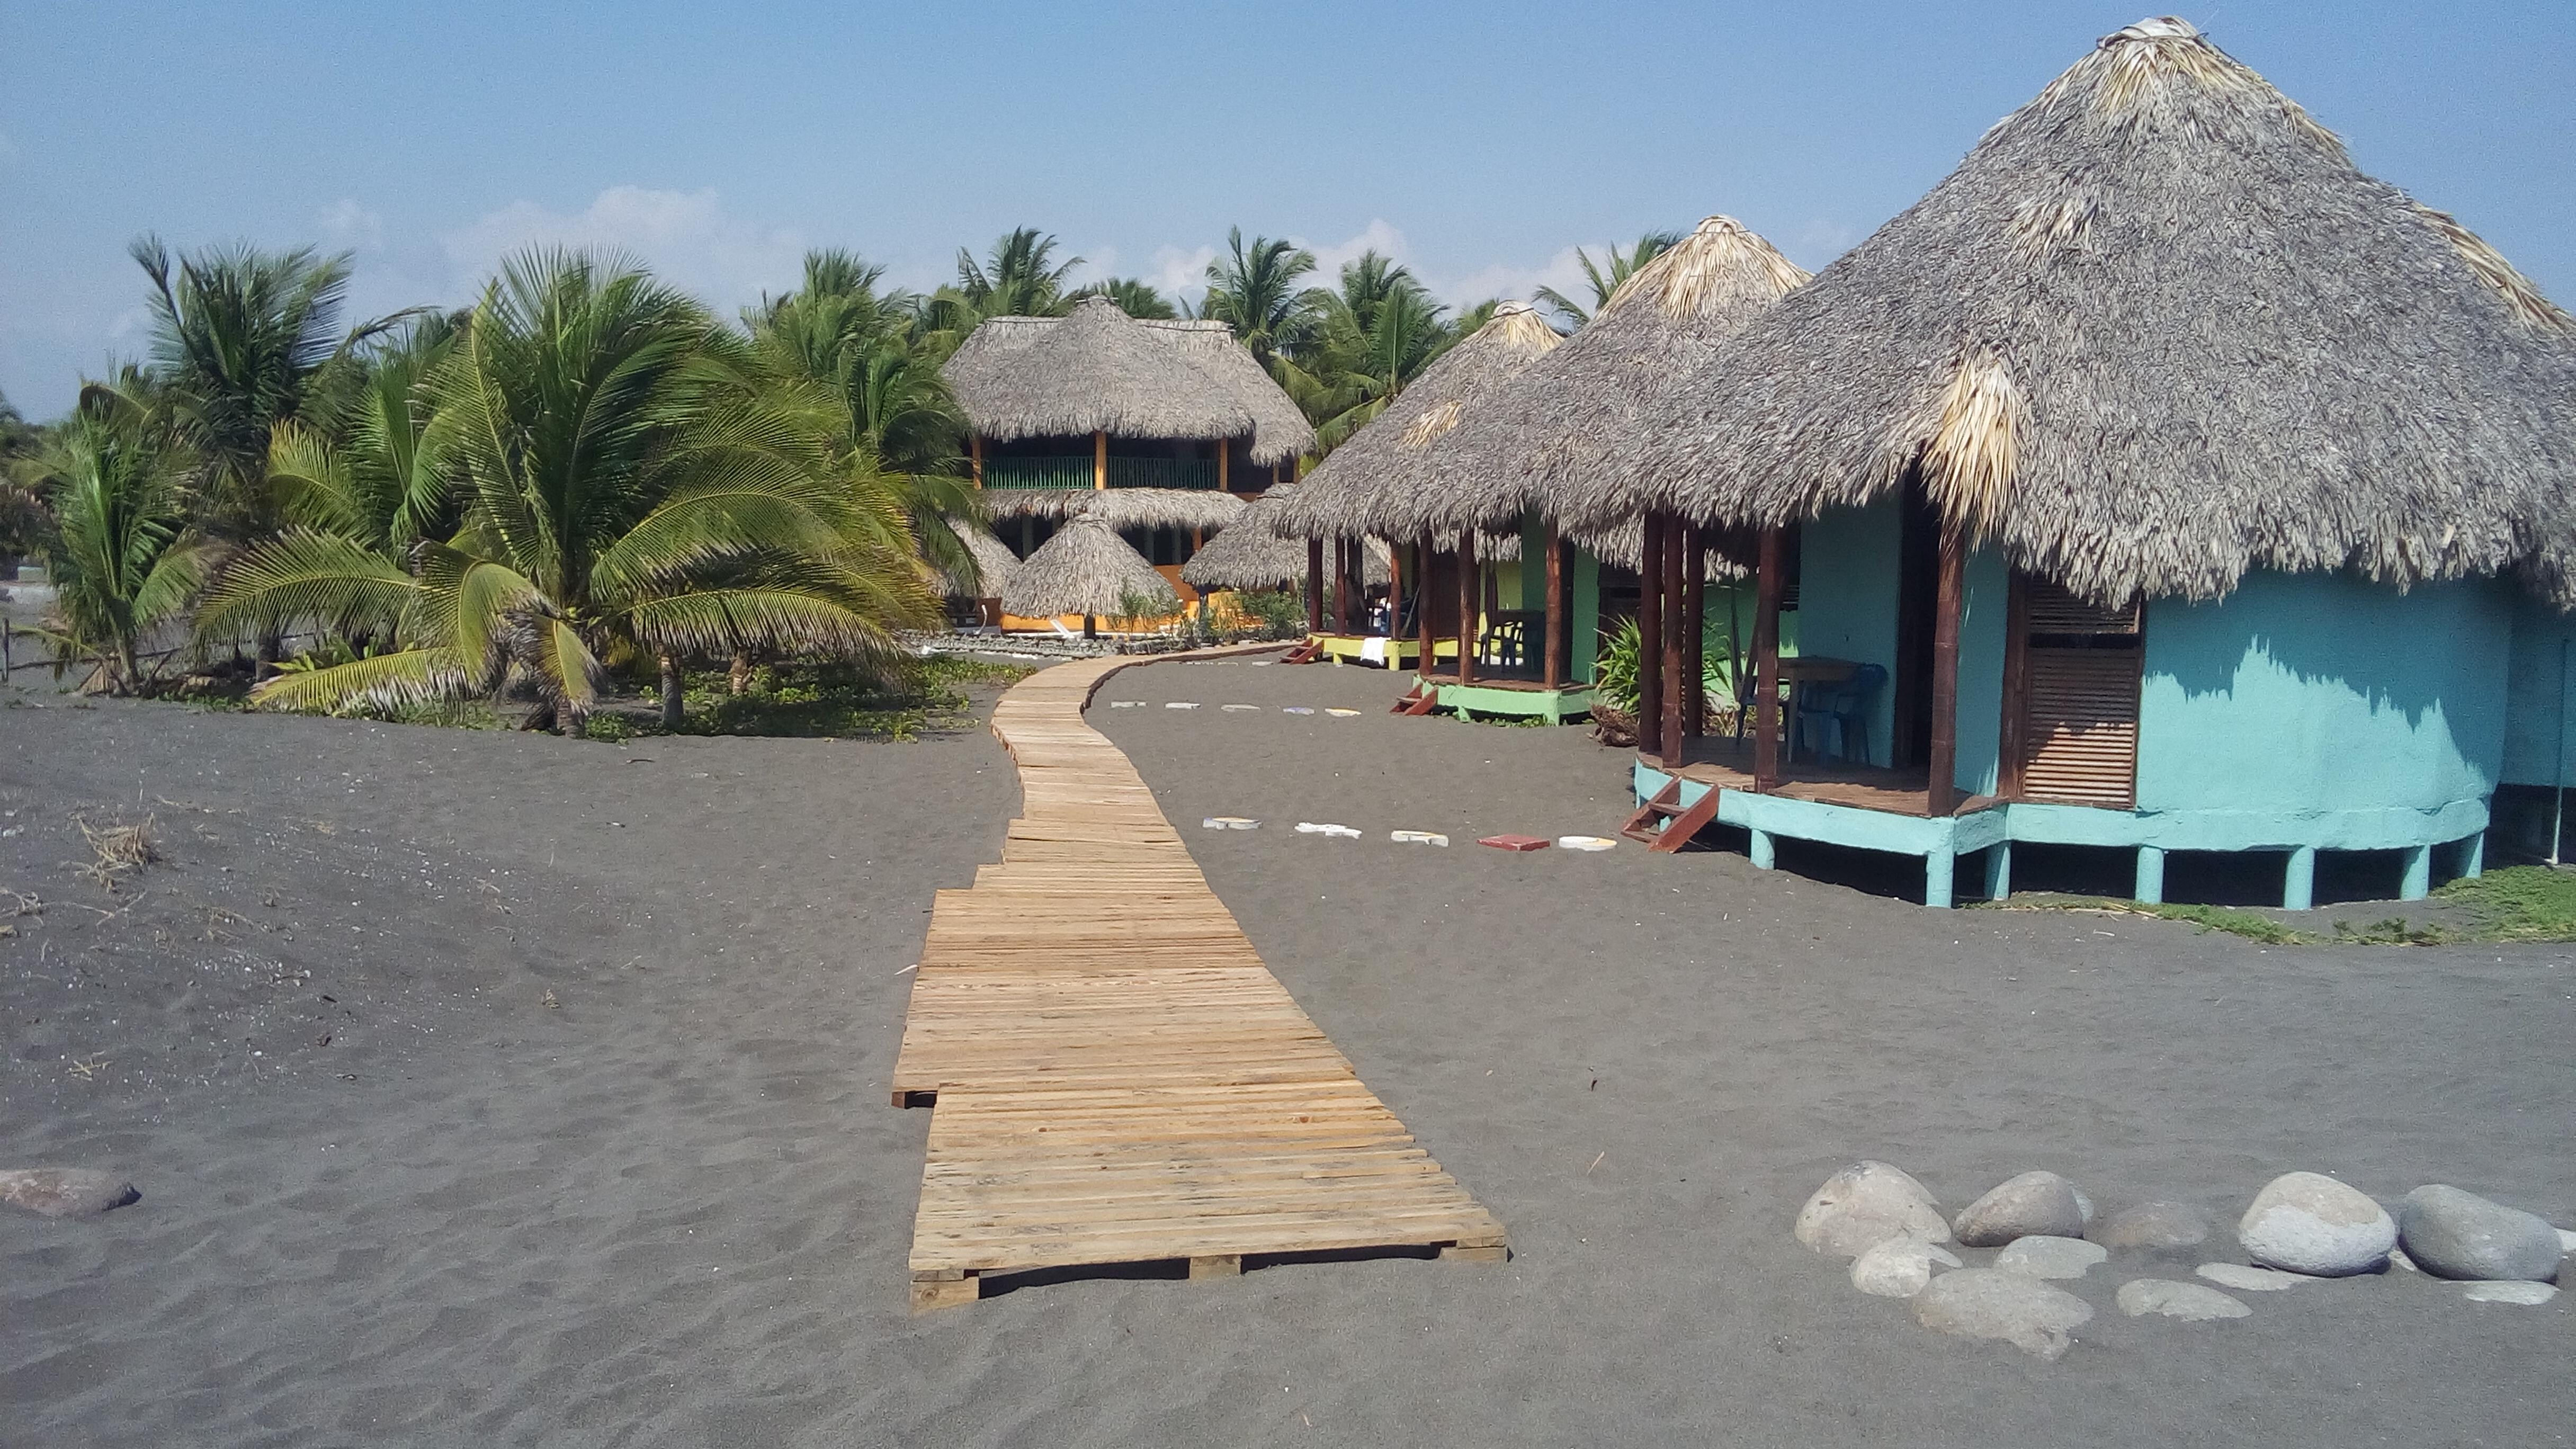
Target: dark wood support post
x=1422 y=590
x=1467 y=572
x=975 y=452
x=1694 y=630
x=1944 y=797
x=1564 y=566
x=1650 y=639
x=1552 y=672
x=1341 y=586
x=1314 y=586
x=1766 y=664
x=1394 y=598
x=1677 y=626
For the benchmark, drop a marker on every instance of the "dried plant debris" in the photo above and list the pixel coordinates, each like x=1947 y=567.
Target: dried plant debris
x=117 y=850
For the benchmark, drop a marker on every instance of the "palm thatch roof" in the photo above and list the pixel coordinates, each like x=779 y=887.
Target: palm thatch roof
x=994 y=564
x=1252 y=554
x=1120 y=507
x=1366 y=485
x=1085 y=569
x=1099 y=370
x=2156 y=330
x=1552 y=437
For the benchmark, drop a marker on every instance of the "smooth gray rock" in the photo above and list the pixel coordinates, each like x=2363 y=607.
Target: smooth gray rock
x=65 y=1192
x=2152 y=1225
x=2459 y=1234
x=2530 y=1295
x=1864 y=1205
x=2249 y=1280
x=1897 y=1267
x=2017 y=1308
x=2045 y=1257
x=2187 y=1301
x=2035 y=1204
x=2306 y=1222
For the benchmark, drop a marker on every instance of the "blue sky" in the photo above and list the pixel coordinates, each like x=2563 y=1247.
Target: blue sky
x=1478 y=143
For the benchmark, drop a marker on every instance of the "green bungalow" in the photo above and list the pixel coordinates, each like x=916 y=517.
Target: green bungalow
x=2159 y=482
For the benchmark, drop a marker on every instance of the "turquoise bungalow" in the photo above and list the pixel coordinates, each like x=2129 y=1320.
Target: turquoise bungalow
x=2159 y=482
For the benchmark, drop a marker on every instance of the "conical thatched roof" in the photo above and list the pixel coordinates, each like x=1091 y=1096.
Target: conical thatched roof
x=1365 y=486
x=2153 y=332
x=1099 y=370
x=1120 y=507
x=1252 y=554
x=1085 y=569
x=1551 y=437
x=994 y=564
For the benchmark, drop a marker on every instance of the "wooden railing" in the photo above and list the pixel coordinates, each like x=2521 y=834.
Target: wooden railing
x=1076 y=470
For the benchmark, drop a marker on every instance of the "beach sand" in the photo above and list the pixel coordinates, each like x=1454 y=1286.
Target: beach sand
x=598 y=1151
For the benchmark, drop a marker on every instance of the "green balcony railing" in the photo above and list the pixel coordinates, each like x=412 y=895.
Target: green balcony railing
x=1075 y=470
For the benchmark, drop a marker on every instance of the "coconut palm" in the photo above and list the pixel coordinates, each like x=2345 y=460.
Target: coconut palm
x=1254 y=291
x=21 y=511
x=118 y=550
x=1135 y=296
x=1602 y=281
x=629 y=487
x=1375 y=334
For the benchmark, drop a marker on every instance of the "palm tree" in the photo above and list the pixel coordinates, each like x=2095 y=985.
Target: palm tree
x=1014 y=280
x=1375 y=334
x=1135 y=296
x=629 y=486
x=1604 y=282
x=119 y=551
x=1254 y=291
x=372 y=469
x=21 y=510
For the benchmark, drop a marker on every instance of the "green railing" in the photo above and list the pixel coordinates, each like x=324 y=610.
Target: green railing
x=1075 y=470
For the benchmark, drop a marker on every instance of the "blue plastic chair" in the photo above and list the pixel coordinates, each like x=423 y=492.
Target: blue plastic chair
x=1845 y=709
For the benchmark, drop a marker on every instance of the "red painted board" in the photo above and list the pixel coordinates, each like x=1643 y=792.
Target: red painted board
x=1515 y=842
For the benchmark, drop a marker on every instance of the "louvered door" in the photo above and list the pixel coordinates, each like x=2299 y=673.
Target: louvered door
x=2071 y=704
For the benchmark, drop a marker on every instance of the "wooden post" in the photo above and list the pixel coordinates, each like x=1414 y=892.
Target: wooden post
x=1552 y=672
x=1314 y=586
x=1650 y=639
x=1766 y=664
x=1423 y=660
x=1944 y=797
x=975 y=450
x=1394 y=599
x=1677 y=627
x=1694 y=631
x=1467 y=572
x=1099 y=460
x=2013 y=728
x=1224 y=450
x=1341 y=586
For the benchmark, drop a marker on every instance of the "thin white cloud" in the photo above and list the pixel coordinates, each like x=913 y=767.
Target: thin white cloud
x=1377 y=236
x=1175 y=270
x=352 y=225
x=686 y=237
x=1512 y=282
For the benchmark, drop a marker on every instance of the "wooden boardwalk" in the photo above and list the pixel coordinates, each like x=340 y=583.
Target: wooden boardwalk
x=1113 y=1074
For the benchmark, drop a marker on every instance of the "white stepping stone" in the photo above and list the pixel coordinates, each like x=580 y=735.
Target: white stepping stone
x=2530 y=1295
x=1263 y=663
x=1235 y=708
x=1416 y=837
x=2250 y=1280
x=1126 y=704
x=1340 y=713
x=1229 y=822
x=1296 y=709
x=1176 y=704
x=1309 y=827
x=1586 y=842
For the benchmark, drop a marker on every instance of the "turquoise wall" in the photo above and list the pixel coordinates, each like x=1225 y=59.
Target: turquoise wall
x=1848 y=570
x=2297 y=700
x=1980 y=720
x=2540 y=696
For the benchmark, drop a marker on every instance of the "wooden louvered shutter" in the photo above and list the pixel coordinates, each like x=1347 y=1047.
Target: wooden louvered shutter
x=2071 y=698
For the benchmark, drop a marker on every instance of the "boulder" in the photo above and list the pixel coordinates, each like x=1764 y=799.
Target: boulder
x=2530 y=1295
x=2459 y=1234
x=2017 y=1308
x=2187 y=1301
x=2306 y=1222
x=1895 y=1267
x=2249 y=1280
x=2045 y=1257
x=1864 y=1205
x=2152 y=1225
x=2034 y=1204
x=65 y=1192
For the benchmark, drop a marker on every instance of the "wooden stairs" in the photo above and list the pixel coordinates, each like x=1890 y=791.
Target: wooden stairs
x=1663 y=825
x=1306 y=653
x=1423 y=699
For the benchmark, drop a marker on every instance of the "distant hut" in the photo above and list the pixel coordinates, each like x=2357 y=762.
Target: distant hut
x=1361 y=490
x=1086 y=569
x=2175 y=476
x=983 y=587
x=1176 y=419
x=1252 y=554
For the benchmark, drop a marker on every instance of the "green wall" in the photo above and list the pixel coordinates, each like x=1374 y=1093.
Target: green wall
x=2319 y=694
x=2540 y=694
x=1980 y=720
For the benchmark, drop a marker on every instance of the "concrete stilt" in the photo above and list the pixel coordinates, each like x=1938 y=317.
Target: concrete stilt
x=2419 y=874
x=2299 y=880
x=1940 y=869
x=2473 y=856
x=1759 y=847
x=1999 y=871
x=2151 y=875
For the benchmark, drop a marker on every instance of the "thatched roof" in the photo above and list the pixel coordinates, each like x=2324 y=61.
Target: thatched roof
x=1551 y=436
x=2153 y=332
x=994 y=562
x=1252 y=554
x=1366 y=485
x=1120 y=507
x=1099 y=370
x=1085 y=569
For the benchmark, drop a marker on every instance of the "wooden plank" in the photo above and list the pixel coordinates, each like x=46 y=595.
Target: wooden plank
x=1650 y=642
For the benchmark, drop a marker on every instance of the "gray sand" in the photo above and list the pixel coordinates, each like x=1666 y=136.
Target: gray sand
x=673 y=1207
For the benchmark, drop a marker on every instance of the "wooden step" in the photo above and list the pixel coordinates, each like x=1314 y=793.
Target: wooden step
x=1646 y=825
